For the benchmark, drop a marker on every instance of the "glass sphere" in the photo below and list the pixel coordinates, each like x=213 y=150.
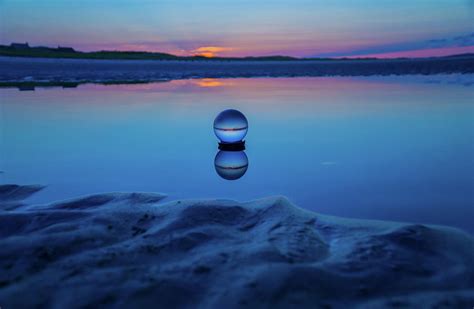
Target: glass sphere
x=230 y=126
x=231 y=165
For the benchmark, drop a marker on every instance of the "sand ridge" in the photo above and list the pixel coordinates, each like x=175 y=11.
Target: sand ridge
x=133 y=250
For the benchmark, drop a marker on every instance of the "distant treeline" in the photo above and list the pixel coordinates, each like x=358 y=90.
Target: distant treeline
x=24 y=50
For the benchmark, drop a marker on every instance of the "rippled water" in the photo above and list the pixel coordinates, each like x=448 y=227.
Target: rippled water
x=376 y=148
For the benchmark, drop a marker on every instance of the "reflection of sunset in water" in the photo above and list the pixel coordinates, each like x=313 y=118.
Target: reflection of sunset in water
x=276 y=96
x=282 y=98
x=210 y=82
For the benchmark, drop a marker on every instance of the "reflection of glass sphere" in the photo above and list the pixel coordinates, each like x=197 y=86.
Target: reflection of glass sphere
x=231 y=165
x=230 y=126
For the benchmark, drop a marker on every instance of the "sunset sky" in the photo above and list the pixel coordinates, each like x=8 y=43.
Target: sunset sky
x=302 y=28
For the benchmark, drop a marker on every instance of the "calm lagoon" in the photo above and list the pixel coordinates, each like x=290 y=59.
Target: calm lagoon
x=393 y=148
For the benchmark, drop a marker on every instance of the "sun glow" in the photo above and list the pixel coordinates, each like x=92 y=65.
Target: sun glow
x=210 y=51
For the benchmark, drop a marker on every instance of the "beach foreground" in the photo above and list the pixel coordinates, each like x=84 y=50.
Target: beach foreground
x=42 y=70
x=130 y=250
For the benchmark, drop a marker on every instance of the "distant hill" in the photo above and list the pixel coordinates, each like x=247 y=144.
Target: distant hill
x=470 y=55
x=24 y=50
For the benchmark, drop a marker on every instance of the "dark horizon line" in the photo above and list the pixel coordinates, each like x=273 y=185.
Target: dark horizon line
x=18 y=48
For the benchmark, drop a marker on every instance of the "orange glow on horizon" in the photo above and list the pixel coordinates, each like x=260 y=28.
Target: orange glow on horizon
x=262 y=49
x=210 y=51
x=206 y=54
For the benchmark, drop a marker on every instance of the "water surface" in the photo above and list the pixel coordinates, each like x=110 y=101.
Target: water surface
x=375 y=148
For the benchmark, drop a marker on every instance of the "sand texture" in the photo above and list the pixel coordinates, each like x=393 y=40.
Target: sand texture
x=133 y=250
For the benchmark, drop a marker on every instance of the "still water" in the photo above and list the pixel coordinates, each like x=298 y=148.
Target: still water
x=375 y=148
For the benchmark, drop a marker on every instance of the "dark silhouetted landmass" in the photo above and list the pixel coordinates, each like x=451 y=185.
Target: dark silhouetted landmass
x=24 y=50
x=465 y=55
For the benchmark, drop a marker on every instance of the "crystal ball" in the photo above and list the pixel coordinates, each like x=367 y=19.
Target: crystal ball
x=230 y=126
x=231 y=165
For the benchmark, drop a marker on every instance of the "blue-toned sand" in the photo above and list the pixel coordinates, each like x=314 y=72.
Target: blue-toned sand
x=131 y=250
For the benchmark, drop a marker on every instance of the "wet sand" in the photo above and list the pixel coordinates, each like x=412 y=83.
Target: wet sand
x=24 y=70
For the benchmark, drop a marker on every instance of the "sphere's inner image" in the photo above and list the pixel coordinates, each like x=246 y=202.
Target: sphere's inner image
x=231 y=165
x=230 y=126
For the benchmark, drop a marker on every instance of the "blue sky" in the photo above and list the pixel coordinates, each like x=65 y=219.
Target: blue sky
x=238 y=28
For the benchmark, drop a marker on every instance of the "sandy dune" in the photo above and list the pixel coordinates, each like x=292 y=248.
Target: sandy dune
x=130 y=250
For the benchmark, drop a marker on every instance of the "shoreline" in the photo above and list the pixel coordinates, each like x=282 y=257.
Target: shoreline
x=465 y=79
x=79 y=71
